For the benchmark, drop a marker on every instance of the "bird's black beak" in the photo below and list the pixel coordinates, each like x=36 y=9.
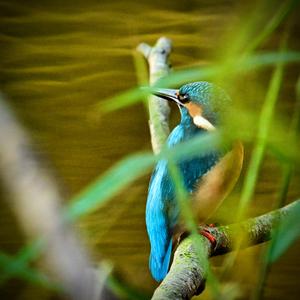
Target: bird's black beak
x=167 y=94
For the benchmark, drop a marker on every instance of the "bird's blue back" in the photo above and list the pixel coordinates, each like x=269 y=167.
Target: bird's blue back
x=162 y=211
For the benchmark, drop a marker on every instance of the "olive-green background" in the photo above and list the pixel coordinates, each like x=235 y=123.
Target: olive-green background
x=58 y=58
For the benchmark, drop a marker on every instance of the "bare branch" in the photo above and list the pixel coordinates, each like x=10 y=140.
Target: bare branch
x=158 y=60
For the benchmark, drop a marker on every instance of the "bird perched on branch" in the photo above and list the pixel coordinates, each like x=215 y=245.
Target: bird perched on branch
x=208 y=177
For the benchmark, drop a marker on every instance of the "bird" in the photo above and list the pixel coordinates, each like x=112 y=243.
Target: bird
x=208 y=178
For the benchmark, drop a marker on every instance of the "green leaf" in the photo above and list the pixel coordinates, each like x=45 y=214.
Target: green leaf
x=129 y=169
x=16 y=266
x=286 y=234
x=265 y=121
x=284 y=10
x=236 y=65
x=109 y=184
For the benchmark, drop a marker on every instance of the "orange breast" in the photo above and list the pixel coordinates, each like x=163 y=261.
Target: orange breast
x=215 y=186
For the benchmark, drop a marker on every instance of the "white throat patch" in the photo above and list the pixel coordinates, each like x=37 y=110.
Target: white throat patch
x=201 y=122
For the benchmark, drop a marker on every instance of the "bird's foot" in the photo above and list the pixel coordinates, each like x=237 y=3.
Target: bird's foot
x=204 y=230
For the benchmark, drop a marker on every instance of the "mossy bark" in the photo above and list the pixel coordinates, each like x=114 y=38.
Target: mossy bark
x=188 y=272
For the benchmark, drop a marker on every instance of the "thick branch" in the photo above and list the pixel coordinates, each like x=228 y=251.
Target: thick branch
x=158 y=60
x=188 y=273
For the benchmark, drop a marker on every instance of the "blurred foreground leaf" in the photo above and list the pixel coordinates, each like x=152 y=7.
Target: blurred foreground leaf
x=265 y=121
x=287 y=233
x=129 y=169
x=236 y=65
x=109 y=184
x=17 y=266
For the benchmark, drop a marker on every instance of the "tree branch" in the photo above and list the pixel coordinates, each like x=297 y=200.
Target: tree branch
x=159 y=110
x=187 y=275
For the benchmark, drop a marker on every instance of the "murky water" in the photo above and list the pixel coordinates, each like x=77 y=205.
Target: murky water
x=57 y=59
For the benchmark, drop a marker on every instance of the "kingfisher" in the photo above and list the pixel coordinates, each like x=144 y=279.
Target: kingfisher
x=208 y=177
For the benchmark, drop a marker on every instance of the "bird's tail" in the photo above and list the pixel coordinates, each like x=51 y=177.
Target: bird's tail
x=159 y=268
x=160 y=239
x=158 y=227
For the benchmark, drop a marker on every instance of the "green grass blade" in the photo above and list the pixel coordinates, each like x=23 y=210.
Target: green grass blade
x=264 y=125
x=184 y=203
x=284 y=10
x=239 y=64
x=265 y=120
x=182 y=198
x=289 y=230
x=287 y=233
x=30 y=251
x=129 y=169
x=124 y=291
x=108 y=185
x=11 y=266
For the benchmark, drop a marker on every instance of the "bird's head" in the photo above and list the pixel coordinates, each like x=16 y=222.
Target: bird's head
x=204 y=102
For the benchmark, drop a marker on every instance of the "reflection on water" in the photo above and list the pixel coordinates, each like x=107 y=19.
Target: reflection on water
x=57 y=60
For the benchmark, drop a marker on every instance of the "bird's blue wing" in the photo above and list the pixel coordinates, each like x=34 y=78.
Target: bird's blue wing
x=162 y=213
x=157 y=221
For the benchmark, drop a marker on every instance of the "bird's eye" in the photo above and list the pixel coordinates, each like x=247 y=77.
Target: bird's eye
x=183 y=98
